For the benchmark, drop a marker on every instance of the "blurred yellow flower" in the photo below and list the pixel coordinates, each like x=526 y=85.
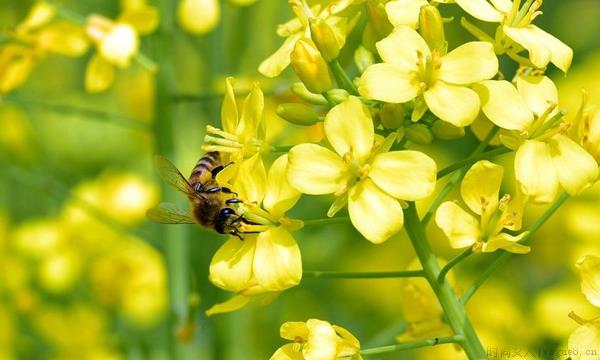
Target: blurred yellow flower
x=479 y=190
x=587 y=129
x=361 y=173
x=435 y=80
x=517 y=32
x=270 y=260
x=317 y=340
x=198 y=16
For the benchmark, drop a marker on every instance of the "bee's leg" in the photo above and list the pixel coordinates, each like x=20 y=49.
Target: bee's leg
x=216 y=170
x=228 y=191
x=233 y=201
x=235 y=232
x=213 y=190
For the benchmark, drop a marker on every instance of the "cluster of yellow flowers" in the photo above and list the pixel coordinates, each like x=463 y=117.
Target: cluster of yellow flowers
x=409 y=89
x=67 y=279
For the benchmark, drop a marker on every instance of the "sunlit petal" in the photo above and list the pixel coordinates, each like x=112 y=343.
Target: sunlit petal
x=349 y=129
x=251 y=181
x=374 y=213
x=407 y=175
x=404 y=12
x=231 y=266
x=229 y=113
x=276 y=63
x=457 y=105
x=461 y=228
x=585 y=341
x=576 y=168
x=389 y=83
x=535 y=172
x=251 y=117
x=480 y=9
x=539 y=92
x=589 y=270
x=287 y=352
x=280 y=196
x=235 y=303
x=401 y=48
x=481 y=185
x=322 y=341
x=293 y=330
x=99 y=74
x=503 y=105
x=506 y=242
x=313 y=169
x=560 y=54
x=472 y=62
x=277 y=263
x=528 y=37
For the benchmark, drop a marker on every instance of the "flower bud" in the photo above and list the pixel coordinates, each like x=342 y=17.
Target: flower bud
x=392 y=115
x=302 y=92
x=443 y=130
x=378 y=20
x=198 y=16
x=310 y=67
x=431 y=28
x=323 y=37
x=338 y=95
x=363 y=58
x=298 y=114
x=419 y=134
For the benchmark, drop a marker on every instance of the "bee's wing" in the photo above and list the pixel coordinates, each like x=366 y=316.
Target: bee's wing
x=166 y=213
x=169 y=173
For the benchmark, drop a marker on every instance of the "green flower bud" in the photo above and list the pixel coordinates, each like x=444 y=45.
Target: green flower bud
x=419 y=134
x=338 y=95
x=324 y=38
x=431 y=28
x=298 y=114
x=392 y=115
x=443 y=130
x=303 y=93
x=310 y=67
x=363 y=58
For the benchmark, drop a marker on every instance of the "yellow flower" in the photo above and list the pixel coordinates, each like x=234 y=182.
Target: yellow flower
x=317 y=340
x=266 y=262
x=198 y=16
x=117 y=42
x=297 y=28
x=479 y=190
x=368 y=178
x=586 y=338
x=436 y=81
x=243 y=135
x=406 y=12
x=546 y=158
x=516 y=25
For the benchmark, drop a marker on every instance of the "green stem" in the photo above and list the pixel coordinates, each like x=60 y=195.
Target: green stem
x=281 y=148
x=471 y=160
x=502 y=258
x=460 y=257
x=361 y=275
x=457 y=176
x=454 y=311
x=342 y=78
x=330 y=101
x=326 y=221
x=412 y=345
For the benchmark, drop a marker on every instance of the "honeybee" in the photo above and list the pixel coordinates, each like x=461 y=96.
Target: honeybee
x=210 y=203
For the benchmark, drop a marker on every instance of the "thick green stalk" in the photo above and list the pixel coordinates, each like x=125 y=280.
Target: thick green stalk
x=362 y=275
x=471 y=160
x=342 y=78
x=412 y=345
x=454 y=311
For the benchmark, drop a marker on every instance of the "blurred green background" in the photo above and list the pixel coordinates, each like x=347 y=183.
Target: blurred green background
x=85 y=276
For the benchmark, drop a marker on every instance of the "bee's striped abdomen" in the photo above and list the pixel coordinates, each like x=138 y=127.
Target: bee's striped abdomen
x=202 y=171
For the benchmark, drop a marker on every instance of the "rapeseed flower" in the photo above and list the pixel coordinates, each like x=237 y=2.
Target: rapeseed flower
x=362 y=173
x=479 y=190
x=266 y=262
x=413 y=71
x=317 y=340
x=546 y=158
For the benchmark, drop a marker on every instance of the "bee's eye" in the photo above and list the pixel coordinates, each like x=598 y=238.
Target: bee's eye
x=199 y=187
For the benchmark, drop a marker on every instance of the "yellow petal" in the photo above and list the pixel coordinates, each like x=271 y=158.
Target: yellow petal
x=40 y=14
x=589 y=270
x=251 y=182
x=63 y=38
x=349 y=346
x=585 y=340
x=119 y=45
x=404 y=12
x=251 y=117
x=385 y=82
x=535 y=172
x=401 y=47
x=375 y=214
x=480 y=187
x=229 y=113
x=503 y=105
x=293 y=330
x=504 y=6
x=235 y=303
x=313 y=169
x=542 y=46
x=457 y=105
x=560 y=54
x=407 y=175
x=506 y=242
x=461 y=228
x=472 y=62
x=322 y=341
x=276 y=63
x=349 y=129
x=231 y=266
x=277 y=262
x=144 y=19
x=15 y=71
x=280 y=196
x=576 y=168
x=99 y=74
x=480 y=9
x=287 y=352
x=539 y=92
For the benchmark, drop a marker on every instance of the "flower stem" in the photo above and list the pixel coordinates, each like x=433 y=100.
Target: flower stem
x=505 y=256
x=342 y=78
x=412 y=345
x=460 y=257
x=327 y=221
x=362 y=275
x=457 y=176
x=281 y=148
x=454 y=311
x=471 y=160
